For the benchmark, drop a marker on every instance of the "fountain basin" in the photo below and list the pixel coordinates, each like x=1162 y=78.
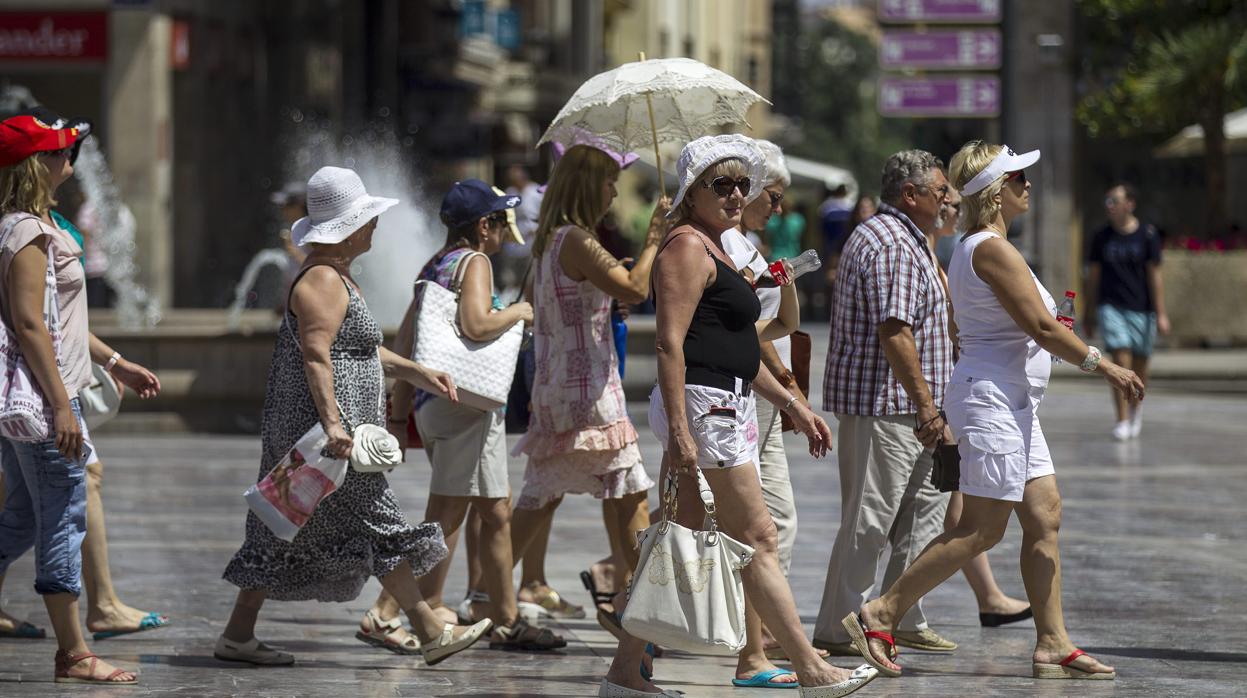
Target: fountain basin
x=212 y=378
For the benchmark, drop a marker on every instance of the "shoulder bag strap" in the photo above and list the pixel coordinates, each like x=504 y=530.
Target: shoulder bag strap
x=461 y=270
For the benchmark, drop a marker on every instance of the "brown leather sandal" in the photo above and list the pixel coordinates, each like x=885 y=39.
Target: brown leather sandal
x=65 y=660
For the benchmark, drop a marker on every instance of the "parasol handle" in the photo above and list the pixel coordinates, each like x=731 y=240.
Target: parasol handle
x=653 y=127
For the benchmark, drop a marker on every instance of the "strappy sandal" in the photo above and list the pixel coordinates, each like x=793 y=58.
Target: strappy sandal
x=600 y=598
x=1063 y=670
x=441 y=649
x=65 y=660
x=861 y=637
x=525 y=637
x=373 y=631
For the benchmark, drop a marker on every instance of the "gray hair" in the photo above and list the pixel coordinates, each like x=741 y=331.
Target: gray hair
x=912 y=166
x=776 y=166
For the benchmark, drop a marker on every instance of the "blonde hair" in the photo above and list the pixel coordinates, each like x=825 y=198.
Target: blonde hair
x=574 y=193
x=24 y=187
x=729 y=167
x=978 y=210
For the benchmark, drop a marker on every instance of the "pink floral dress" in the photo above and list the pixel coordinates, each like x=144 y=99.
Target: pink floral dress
x=580 y=439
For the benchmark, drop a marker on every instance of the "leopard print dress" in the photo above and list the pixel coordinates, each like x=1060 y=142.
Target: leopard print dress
x=357 y=532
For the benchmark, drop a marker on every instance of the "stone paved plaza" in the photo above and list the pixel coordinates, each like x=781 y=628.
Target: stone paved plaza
x=1154 y=561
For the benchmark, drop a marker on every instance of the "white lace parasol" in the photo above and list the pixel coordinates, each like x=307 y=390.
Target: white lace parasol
x=689 y=99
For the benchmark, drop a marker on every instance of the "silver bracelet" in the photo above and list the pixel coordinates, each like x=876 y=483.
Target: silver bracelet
x=791 y=399
x=1092 y=362
x=112 y=361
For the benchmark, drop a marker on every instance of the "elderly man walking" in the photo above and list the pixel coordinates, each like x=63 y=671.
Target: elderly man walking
x=889 y=361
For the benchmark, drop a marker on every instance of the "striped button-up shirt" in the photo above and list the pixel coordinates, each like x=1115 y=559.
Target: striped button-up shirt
x=886 y=271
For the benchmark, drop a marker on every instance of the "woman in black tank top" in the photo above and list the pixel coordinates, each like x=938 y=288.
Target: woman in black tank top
x=708 y=351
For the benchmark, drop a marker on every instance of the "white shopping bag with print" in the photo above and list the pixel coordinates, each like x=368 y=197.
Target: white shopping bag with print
x=285 y=498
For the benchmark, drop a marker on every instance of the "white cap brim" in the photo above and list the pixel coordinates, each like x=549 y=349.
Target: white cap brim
x=335 y=230
x=1006 y=161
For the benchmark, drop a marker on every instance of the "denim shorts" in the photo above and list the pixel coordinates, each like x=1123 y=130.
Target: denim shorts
x=45 y=507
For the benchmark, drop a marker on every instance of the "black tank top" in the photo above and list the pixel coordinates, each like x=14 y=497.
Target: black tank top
x=722 y=340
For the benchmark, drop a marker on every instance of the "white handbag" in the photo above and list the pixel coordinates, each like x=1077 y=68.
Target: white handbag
x=101 y=401
x=374 y=450
x=687 y=592
x=24 y=413
x=482 y=370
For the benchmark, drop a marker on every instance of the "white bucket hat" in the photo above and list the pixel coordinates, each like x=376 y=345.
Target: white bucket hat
x=1006 y=161
x=337 y=206
x=700 y=154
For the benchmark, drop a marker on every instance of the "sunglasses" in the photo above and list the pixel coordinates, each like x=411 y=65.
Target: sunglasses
x=497 y=217
x=723 y=186
x=1020 y=176
x=63 y=152
x=775 y=198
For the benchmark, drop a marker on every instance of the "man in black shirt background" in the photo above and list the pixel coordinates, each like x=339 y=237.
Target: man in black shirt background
x=1128 y=294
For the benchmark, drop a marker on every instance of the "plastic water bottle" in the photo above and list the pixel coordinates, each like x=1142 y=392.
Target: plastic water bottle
x=1065 y=316
x=782 y=271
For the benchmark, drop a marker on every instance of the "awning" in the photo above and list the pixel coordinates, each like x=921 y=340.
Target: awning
x=1190 y=140
x=829 y=175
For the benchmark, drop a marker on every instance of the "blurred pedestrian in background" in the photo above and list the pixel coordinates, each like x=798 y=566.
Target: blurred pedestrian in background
x=1128 y=293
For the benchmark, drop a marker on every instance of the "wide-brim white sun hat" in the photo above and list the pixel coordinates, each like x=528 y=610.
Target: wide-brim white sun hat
x=1006 y=161
x=700 y=154
x=337 y=206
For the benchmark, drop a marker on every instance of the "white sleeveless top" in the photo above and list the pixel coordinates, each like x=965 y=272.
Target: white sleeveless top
x=993 y=347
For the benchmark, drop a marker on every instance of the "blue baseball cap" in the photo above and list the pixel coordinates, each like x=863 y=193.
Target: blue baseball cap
x=471 y=200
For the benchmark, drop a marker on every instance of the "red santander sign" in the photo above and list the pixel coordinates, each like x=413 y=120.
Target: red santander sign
x=79 y=37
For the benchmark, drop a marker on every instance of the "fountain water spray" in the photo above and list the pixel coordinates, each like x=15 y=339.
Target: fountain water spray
x=264 y=258
x=114 y=233
x=407 y=235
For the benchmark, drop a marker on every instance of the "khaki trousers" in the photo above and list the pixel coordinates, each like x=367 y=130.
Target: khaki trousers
x=776 y=486
x=886 y=498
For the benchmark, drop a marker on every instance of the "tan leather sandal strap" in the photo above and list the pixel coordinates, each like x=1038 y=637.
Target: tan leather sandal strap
x=114 y=675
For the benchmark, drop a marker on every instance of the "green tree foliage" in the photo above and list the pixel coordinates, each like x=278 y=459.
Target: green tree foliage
x=1154 y=67
x=838 y=119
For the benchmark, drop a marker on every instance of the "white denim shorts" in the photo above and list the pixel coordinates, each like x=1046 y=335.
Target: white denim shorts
x=1001 y=444
x=724 y=425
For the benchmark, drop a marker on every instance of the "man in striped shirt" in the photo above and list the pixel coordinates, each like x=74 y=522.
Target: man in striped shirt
x=889 y=360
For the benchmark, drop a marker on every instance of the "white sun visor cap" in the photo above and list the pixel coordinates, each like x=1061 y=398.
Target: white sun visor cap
x=1006 y=161
x=700 y=154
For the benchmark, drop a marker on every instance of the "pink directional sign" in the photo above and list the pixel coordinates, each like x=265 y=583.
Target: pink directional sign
x=945 y=11
x=959 y=96
x=945 y=48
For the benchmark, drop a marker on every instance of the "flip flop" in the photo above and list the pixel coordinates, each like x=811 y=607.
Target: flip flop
x=765 y=679
x=861 y=637
x=1043 y=670
x=151 y=621
x=25 y=631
